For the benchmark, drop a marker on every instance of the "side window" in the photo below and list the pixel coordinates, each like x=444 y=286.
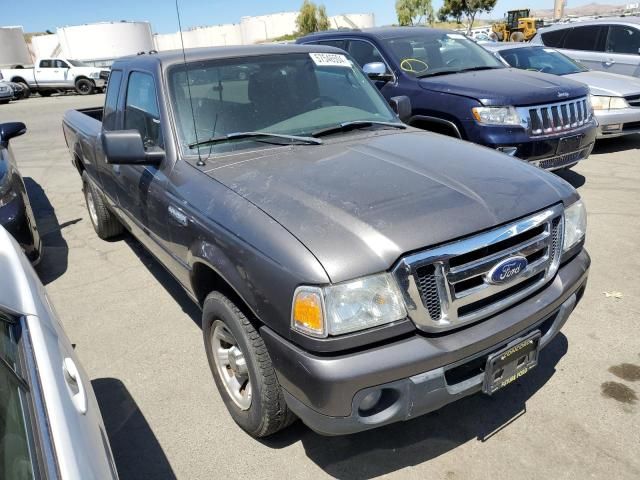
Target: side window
x=46 y=64
x=141 y=110
x=589 y=38
x=60 y=64
x=364 y=52
x=342 y=44
x=623 y=39
x=554 y=38
x=111 y=101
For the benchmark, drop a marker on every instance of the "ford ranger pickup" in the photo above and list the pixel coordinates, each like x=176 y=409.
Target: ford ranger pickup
x=352 y=271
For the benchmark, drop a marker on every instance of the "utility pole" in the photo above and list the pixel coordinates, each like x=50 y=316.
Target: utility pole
x=558 y=9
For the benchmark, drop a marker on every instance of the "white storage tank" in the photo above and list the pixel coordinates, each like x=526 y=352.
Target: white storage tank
x=352 y=20
x=45 y=46
x=13 y=47
x=100 y=42
x=267 y=27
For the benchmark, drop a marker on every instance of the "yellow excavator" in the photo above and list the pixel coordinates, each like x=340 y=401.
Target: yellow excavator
x=518 y=27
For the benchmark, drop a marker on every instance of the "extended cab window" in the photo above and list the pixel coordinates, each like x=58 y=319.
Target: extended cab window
x=554 y=38
x=111 y=102
x=141 y=110
x=588 y=38
x=623 y=39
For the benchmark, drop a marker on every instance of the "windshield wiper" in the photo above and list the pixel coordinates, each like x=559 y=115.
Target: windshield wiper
x=258 y=136
x=449 y=72
x=354 y=125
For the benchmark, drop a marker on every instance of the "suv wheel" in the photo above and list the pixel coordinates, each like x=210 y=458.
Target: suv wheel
x=242 y=369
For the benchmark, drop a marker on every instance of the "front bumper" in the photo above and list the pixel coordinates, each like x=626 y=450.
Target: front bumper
x=543 y=151
x=616 y=123
x=418 y=374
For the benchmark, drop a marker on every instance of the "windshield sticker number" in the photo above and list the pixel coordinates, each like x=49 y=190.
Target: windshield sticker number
x=456 y=36
x=330 y=60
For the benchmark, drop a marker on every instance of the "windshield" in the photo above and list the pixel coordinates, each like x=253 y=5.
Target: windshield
x=545 y=60
x=422 y=54
x=293 y=94
x=77 y=63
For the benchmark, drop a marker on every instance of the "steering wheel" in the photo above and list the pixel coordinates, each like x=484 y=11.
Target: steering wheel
x=319 y=101
x=413 y=65
x=454 y=62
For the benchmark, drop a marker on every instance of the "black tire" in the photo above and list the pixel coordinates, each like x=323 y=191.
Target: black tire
x=517 y=37
x=268 y=412
x=26 y=91
x=84 y=86
x=104 y=221
x=45 y=93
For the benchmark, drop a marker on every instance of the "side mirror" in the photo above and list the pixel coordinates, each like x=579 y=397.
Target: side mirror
x=10 y=130
x=377 y=71
x=402 y=106
x=125 y=147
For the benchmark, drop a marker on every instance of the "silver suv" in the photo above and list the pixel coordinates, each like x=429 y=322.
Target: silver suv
x=607 y=44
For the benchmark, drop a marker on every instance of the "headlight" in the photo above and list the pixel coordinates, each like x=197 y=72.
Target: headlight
x=94 y=75
x=575 y=225
x=7 y=193
x=600 y=102
x=347 y=307
x=496 y=115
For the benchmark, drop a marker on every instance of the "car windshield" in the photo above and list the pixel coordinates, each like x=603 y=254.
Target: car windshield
x=545 y=60
x=427 y=53
x=77 y=63
x=293 y=94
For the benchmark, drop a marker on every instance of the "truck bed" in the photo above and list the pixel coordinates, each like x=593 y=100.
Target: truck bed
x=81 y=129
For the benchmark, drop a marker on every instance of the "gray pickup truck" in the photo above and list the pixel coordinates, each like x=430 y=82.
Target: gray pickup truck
x=352 y=271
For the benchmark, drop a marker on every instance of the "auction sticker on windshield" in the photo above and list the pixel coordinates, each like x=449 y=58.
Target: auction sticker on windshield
x=330 y=60
x=456 y=36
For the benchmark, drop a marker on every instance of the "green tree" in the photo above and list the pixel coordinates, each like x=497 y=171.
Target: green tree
x=414 y=12
x=312 y=18
x=469 y=9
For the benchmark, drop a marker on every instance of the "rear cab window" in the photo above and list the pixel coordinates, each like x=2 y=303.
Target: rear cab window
x=554 y=38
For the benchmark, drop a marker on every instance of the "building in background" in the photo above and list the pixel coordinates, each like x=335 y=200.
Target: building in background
x=101 y=43
x=13 y=47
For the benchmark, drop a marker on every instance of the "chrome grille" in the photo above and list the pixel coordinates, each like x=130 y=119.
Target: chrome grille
x=633 y=100
x=556 y=117
x=447 y=287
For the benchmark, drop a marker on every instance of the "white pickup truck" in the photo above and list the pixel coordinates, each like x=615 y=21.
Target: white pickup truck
x=50 y=75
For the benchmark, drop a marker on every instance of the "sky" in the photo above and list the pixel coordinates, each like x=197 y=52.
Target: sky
x=42 y=15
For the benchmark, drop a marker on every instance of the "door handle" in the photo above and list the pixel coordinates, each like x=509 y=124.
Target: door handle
x=609 y=62
x=116 y=169
x=75 y=388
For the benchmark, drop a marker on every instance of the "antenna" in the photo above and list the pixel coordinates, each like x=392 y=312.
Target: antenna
x=186 y=69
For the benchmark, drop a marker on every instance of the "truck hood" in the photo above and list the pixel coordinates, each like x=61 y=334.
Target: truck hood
x=361 y=202
x=516 y=87
x=608 y=84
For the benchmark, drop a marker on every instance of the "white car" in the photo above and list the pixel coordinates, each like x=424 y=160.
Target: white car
x=50 y=423
x=58 y=74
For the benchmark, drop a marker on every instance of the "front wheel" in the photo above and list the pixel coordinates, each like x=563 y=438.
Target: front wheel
x=84 y=86
x=26 y=91
x=242 y=369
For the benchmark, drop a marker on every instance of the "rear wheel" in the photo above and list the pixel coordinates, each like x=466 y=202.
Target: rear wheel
x=517 y=37
x=242 y=369
x=84 y=86
x=103 y=220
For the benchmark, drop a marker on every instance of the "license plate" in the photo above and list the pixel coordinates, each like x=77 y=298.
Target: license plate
x=512 y=362
x=569 y=144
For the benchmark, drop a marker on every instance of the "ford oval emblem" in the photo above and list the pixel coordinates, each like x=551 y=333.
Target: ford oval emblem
x=507 y=270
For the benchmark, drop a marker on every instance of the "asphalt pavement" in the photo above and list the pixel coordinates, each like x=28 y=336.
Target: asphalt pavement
x=577 y=415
